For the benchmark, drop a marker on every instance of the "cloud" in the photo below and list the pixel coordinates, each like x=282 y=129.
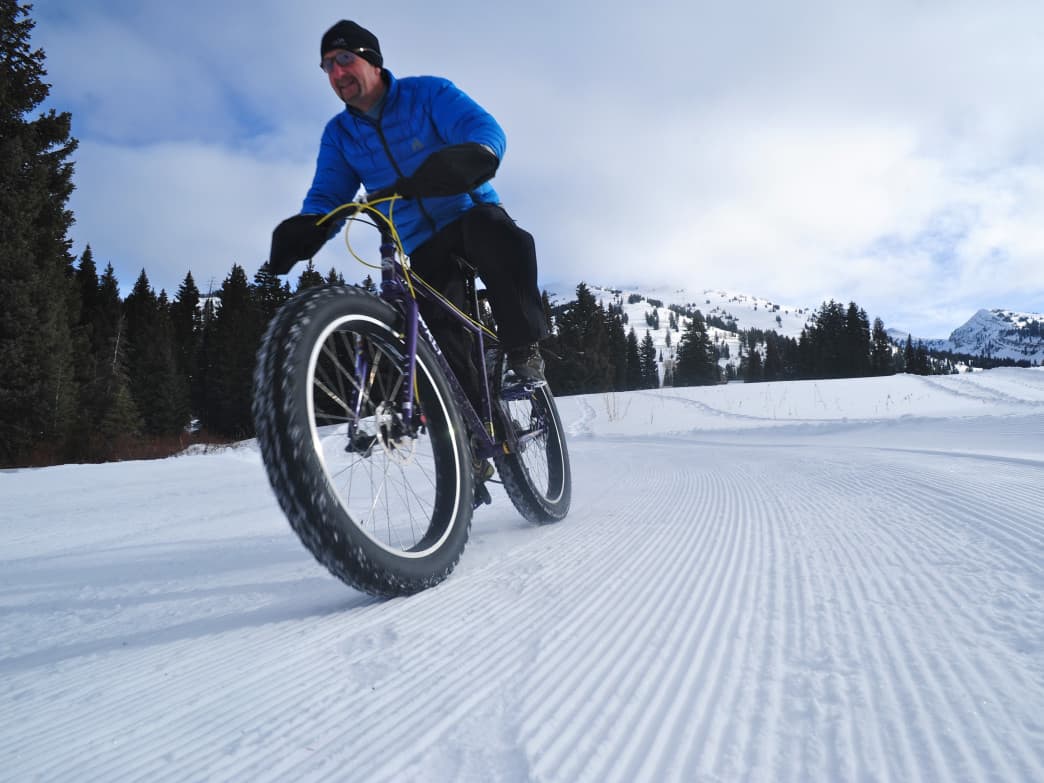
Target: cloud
x=176 y=207
x=887 y=153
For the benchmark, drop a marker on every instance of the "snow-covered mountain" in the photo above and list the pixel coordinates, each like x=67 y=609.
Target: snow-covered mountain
x=721 y=308
x=1000 y=334
x=736 y=311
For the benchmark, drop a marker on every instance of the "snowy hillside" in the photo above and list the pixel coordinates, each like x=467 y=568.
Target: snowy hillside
x=1001 y=334
x=805 y=581
x=738 y=311
x=745 y=311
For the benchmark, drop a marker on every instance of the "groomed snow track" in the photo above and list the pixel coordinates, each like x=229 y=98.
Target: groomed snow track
x=831 y=599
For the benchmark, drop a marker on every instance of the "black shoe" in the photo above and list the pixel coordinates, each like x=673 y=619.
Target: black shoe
x=526 y=363
x=483 y=473
x=481 y=497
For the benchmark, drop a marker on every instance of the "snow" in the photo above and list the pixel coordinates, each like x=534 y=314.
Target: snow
x=1002 y=334
x=746 y=311
x=819 y=580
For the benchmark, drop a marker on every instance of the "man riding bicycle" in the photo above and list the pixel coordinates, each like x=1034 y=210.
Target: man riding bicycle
x=388 y=129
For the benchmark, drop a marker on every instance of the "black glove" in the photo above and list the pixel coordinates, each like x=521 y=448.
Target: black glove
x=459 y=168
x=296 y=239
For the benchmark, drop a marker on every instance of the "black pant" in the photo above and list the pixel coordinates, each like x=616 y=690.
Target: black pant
x=504 y=256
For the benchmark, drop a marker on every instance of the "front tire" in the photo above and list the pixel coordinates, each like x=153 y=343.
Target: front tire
x=384 y=503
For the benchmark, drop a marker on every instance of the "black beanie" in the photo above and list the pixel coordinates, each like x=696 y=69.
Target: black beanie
x=350 y=36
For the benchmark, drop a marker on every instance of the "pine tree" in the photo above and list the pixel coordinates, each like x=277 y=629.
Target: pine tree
x=186 y=320
x=650 y=369
x=634 y=362
x=617 y=346
x=105 y=315
x=545 y=305
x=697 y=363
x=230 y=344
x=38 y=393
x=156 y=386
x=581 y=364
x=310 y=277
x=114 y=417
x=825 y=343
x=119 y=420
x=202 y=378
x=87 y=283
x=752 y=368
x=773 y=368
x=881 y=362
x=857 y=342
x=85 y=286
x=921 y=362
x=270 y=293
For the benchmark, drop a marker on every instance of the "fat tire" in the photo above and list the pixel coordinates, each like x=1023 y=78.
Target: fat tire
x=286 y=434
x=540 y=489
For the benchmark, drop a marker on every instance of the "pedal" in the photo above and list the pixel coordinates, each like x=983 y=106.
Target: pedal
x=520 y=390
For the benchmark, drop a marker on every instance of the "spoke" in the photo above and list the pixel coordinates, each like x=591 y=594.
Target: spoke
x=389 y=490
x=331 y=419
x=331 y=394
x=334 y=368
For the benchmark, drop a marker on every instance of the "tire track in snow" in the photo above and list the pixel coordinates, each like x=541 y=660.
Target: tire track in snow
x=708 y=597
x=942 y=680
x=855 y=579
x=635 y=549
x=714 y=680
x=771 y=613
x=678 y=642
x=628 y=696
x=373 y=737
x=972 y=386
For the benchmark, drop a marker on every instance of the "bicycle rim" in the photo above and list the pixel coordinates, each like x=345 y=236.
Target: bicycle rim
x=398 y=484
x=540 y=451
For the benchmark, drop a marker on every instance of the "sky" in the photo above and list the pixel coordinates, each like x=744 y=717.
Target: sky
x=887 y=153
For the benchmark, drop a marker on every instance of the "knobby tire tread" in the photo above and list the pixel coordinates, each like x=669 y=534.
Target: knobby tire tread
x=286 y=448
x=528 y=500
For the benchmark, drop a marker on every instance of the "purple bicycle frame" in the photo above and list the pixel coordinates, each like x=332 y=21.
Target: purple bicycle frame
x=394 y=291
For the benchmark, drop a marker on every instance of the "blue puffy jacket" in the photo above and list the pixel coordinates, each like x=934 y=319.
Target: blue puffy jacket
x=420 y=114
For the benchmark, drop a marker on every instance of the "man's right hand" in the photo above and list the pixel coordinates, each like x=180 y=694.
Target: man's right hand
x=296 y=239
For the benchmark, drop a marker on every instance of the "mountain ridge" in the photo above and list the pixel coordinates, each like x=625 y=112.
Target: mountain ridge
x=997 y=334
x=989 y=333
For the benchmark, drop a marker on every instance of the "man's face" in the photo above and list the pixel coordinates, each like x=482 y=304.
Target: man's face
x=354 y=79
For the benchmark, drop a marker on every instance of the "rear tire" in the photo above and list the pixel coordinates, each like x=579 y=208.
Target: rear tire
x=536 y=472
x=388 y=511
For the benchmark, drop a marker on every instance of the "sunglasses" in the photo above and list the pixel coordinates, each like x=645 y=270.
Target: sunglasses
x=343 y=59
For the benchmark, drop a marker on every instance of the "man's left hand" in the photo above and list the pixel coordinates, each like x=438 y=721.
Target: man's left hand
x=459 y=168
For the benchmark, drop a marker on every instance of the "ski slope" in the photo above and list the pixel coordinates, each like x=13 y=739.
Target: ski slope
x=809 y=581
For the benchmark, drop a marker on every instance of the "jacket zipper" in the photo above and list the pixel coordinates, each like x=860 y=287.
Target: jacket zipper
x=398 y=171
